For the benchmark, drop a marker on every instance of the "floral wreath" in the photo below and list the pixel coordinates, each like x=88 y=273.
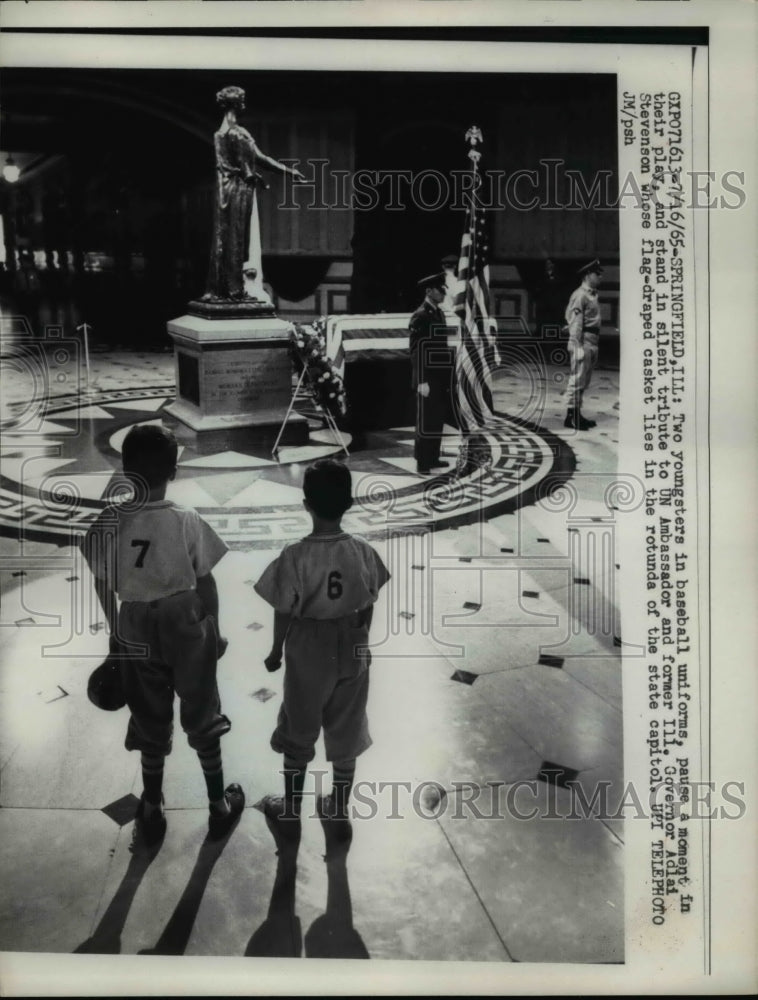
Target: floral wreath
x=308 y=353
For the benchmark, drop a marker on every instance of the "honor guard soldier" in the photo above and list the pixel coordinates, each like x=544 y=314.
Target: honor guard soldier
x=431 y=370
x=583 y=319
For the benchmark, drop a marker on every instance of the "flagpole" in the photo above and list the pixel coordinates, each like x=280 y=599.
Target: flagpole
x=473 y=137
x=473 y=365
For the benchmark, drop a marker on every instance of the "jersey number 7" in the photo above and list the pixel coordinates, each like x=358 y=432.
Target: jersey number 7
x=143 y=544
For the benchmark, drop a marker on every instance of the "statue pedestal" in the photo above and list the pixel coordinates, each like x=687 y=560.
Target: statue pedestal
x=233 y=383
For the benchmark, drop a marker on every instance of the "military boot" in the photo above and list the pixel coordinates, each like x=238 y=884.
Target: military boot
x=576 y=421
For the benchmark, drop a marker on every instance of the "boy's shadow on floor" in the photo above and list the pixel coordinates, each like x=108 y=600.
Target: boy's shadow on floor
x=176 y=934
x=173 y=941
x=331 y=935
x=106 y=939
x=280 y=935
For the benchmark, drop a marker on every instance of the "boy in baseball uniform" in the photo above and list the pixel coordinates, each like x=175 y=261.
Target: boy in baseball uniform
x=158 y=557
x=322 y=589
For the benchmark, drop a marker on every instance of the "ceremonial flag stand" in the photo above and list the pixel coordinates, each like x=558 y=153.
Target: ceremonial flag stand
x=299 y=393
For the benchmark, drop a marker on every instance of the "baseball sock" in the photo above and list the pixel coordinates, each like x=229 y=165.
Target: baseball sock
x=343 y=775
x=294 y=779
x=213 y=772
x=152 y=781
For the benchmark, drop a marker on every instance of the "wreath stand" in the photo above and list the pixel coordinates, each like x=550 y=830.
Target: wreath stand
x=331 y=423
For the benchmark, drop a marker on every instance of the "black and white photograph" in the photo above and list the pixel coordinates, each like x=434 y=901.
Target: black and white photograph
x=357 y=406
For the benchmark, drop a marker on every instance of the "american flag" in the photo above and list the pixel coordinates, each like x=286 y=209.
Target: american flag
x=476 y=357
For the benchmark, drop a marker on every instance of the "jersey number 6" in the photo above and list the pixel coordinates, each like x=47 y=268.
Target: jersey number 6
x=334 y=585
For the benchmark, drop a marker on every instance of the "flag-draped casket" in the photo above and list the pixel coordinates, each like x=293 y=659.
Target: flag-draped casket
x=371 y=354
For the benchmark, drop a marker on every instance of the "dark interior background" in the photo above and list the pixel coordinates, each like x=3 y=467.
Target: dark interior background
x=111 y=218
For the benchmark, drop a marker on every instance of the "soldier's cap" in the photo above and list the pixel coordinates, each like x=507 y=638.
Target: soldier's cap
x=438 y=280
x=594 y=267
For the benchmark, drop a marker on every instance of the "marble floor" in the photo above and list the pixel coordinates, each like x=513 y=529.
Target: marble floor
x=495 y=695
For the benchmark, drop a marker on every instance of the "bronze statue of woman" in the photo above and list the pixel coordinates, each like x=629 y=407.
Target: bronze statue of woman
x=235 y=267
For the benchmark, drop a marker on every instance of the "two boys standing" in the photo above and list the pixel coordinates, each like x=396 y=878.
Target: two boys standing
x=158 y=558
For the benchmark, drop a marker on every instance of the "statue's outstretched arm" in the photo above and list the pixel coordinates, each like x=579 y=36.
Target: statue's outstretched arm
x=272 y=164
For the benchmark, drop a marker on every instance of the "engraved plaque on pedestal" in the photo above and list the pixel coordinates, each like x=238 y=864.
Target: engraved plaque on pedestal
x=234 y=382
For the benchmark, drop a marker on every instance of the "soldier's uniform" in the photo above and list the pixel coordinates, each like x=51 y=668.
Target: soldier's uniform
x=583 y=319
x=431 y=363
